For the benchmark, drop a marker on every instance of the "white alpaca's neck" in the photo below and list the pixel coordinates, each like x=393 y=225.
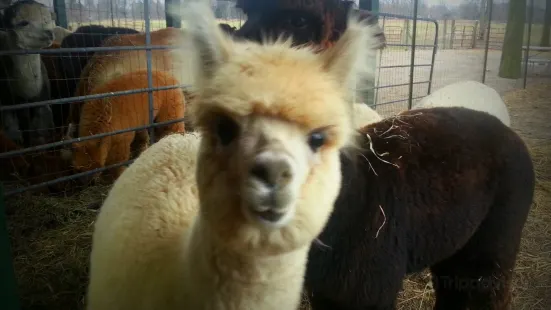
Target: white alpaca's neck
x=220 y=279
x=27 y=74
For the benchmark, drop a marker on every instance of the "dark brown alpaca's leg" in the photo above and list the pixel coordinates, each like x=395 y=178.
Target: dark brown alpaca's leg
x=465 y=282
x=479 y=275
x=140 y=143
x=320 y=303
x=447 y=281
x=119 y=152
x=163 y=131
x=488 y=259
x=378 y=292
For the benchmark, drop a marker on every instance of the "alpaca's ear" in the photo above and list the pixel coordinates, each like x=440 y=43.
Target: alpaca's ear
x=202 y=35
x=348 y=60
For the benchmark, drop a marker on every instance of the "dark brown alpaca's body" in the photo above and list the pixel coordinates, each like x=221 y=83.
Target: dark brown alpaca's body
x=455 y=198
x=318 y=22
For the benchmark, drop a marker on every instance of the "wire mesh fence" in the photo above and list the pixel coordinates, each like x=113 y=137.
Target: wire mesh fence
x=74 y=72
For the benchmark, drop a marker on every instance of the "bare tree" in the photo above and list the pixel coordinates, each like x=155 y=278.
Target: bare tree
x=512 y=44
x=546 y=25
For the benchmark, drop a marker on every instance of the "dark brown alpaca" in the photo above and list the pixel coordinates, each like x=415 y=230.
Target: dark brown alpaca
x=450 y=189
x=319 y=22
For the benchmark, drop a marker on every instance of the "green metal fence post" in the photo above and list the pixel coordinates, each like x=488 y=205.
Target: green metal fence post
x=60 y=13
x=8 y=285
x=368 y=95
x=171 y=20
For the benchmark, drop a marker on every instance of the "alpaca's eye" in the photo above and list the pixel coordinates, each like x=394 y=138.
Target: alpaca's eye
x=298 y=22
x=22 y=24
x=317 y=139
x=226 y=130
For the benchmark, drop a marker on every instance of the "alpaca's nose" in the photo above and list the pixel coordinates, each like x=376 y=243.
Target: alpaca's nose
x=274 y=169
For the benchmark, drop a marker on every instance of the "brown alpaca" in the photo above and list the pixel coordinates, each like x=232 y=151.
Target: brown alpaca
x=104 y=66
x=121 y=112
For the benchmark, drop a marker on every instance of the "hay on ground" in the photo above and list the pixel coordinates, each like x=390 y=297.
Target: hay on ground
x=51 y=239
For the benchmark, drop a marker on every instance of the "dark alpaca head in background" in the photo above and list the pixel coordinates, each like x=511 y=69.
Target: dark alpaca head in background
x=303 y=26
x=319 y=22
x=227 y=28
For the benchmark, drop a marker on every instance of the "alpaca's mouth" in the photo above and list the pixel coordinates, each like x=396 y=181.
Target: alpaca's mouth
x=268 y=206
x=269 y=215
x=271 y=218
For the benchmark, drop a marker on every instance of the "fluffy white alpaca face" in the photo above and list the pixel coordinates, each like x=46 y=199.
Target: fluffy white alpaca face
x=276 y=158
x=31 y=26
x=267 y=184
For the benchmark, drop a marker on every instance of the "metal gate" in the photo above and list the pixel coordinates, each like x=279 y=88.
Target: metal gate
x=405 y=66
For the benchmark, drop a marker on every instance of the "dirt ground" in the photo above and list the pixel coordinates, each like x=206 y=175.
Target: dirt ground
x=51 y=235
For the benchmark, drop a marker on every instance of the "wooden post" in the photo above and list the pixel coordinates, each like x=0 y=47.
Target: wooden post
x=452 y=35
x=475 y=31
x=406 y=30
x=463 y=36
x=8 y=284
x=444 y=34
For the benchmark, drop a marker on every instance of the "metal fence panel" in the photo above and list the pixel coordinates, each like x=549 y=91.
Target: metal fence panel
x=404 y=63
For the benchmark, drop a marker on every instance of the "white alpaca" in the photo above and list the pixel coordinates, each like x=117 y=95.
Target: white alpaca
x=23 y=78
x=226 y=221
x=60 y=33
x=364 y=115
x=468 y=94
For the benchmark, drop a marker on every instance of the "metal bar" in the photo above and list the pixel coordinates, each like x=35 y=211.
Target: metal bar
x=404 y=66
x=380 y=55
x=490 y=5
x=149 y=70
x=393 y=85
x=8 y=284
x=408 y=45
x=80 y=139
x=398 y=85
x=87 y=97
x=527 y=52
x=401 y=100
x=436 y=30
x=67 y=178
x=413 y=42
x=85 y=49
x=398 y=16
